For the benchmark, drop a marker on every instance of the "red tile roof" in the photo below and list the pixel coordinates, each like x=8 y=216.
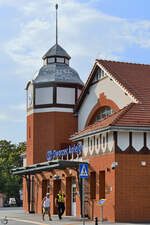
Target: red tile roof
x=129 y=116
x=135 y=78
x=109 y=121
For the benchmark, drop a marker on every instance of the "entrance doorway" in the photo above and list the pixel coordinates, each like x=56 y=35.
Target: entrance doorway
x=45 y=187
x=73 y=197
x=57 y=187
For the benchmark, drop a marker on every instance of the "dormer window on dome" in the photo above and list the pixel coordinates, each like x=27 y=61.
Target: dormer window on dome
x=51 y=60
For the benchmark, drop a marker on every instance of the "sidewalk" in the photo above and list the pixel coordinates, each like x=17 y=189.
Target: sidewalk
x=18 y=216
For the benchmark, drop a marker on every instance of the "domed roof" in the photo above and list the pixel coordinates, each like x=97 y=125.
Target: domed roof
x=57 y=72
x=56 y=50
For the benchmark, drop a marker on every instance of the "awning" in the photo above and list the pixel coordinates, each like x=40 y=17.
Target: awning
x=48 y=166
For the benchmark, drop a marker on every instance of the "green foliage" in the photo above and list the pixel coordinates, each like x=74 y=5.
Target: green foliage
x=9 y=158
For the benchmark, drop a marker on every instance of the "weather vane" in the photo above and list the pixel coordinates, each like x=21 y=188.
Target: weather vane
x=56 y=25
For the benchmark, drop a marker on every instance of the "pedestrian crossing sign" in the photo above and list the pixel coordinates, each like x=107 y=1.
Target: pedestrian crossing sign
x=83 y=170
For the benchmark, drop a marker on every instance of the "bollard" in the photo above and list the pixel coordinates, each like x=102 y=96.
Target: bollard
x=4 y=220
x=96 y=221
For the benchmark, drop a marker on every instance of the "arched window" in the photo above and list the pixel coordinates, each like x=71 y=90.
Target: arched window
x=103 y=113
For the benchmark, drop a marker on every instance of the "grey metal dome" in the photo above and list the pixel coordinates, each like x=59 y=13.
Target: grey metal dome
x=56 y=50
x=57 y=72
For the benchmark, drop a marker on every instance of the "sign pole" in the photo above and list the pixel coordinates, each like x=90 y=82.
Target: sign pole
x=83 y=175
x=83 y=211
x=102 y=201
x=102 y=213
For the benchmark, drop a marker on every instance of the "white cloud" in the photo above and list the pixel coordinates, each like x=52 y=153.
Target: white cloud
x=3 y=117
x=83 y=32
x=108 y=57
x=13 y=120
x=21 y=107
x=6 y=117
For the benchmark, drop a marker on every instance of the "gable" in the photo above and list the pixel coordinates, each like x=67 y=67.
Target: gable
x=105 y=92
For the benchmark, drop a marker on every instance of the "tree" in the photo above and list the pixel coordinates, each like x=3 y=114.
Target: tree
x=9 y=158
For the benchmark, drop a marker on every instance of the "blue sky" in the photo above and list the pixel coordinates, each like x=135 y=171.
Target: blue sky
x=88 y=29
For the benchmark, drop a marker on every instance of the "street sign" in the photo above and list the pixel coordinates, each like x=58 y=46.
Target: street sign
x=83 y=174
x=102 y=201
x=83 y=170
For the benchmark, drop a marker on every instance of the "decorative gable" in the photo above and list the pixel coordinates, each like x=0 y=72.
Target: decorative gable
x=94 y=100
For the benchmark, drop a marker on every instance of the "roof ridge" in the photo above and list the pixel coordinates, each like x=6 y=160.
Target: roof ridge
x=124 y=111
x=133 y=63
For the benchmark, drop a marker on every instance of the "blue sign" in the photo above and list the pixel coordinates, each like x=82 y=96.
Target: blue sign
x=102 y=202
x=83 y=170
x=51 y=154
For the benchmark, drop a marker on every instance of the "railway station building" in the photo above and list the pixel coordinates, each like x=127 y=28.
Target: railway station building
x=104 y=123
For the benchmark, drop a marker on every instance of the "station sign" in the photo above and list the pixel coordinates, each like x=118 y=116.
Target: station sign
x=52 y=154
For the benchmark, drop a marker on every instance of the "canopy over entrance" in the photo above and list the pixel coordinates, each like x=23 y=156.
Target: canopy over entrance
x=48 y=166
x=28 y=171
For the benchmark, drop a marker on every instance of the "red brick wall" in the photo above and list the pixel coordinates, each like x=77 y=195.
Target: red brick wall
x=48 y=131
x=101 y=163
x=25 y=199
x=132 y=188
x=29 y=151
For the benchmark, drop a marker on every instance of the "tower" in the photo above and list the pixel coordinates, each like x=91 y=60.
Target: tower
x=51 y=97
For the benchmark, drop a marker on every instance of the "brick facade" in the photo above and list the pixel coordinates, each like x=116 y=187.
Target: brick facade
x=49 y=130
x=40 y=190
x=132 y=186
x=100 y=164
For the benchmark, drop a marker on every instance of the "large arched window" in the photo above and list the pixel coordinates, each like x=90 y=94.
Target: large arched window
x=103 y=113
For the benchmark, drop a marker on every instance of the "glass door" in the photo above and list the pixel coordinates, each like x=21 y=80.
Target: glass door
x=73 y=198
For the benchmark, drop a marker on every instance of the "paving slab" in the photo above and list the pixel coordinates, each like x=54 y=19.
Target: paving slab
x=17 y=216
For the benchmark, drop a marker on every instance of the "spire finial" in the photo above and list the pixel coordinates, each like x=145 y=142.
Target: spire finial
x=56 y=25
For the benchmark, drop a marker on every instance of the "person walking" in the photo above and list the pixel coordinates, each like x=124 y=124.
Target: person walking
x=46 y=207
x=60 y=204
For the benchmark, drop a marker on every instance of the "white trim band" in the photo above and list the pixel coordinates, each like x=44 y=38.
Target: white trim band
x=108 y=129
x=55 y=109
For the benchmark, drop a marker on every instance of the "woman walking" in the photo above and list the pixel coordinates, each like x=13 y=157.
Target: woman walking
x=46 y=207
